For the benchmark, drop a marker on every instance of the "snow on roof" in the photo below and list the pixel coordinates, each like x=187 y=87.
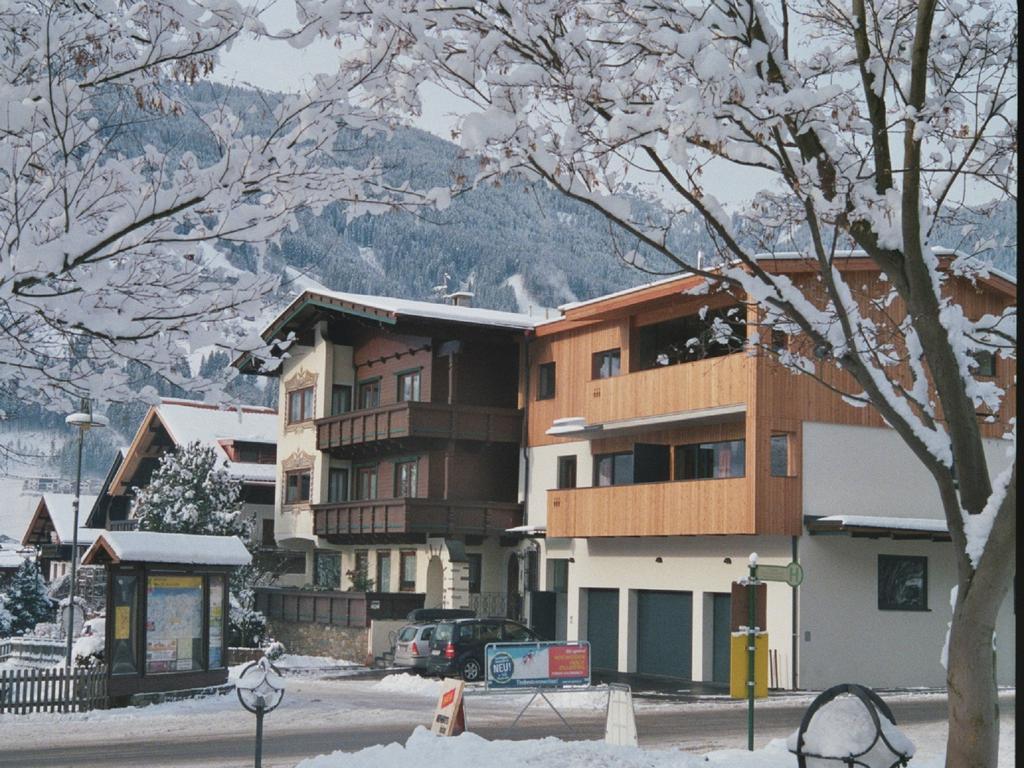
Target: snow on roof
x=426 y=309
x=184 y=548
x=928 y=525
x=61 y=507
x=191 y=421
x=528 y=530
x=10 y=559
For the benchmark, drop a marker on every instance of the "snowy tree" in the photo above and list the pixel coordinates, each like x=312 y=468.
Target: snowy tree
x=6 y=618
x=857 y=127
x=191 y=491
x=26 y=600
x=106 y=252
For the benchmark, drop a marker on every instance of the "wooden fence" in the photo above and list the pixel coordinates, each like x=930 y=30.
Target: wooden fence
x=343 y=609
x=52 y=690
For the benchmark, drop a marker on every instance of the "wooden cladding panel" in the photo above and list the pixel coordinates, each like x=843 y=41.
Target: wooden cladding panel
x=685 y=508
x=707 y=383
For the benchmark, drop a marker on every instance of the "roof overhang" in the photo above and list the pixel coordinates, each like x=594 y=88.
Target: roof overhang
x=869 y=526
x=577 y=427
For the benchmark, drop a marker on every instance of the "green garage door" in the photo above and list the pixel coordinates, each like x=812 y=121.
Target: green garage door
x=664 y=633
x=721 y=636
x=603 y=628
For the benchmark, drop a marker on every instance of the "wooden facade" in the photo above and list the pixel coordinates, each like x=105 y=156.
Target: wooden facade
x=773 y=402
x=395 y=519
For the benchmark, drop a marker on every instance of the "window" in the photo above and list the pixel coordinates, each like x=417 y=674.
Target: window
x=902 y=583
x=409 y=387
x=475 y=569
x=779 y=340
x=613 y=469
x=407 y=571
x=515 y=633
x=780 y=455
x=361 y=571
x=300 y=405
x=604 y=365
x=341 y=399
x=545 y=381
x=383 y=570
x=566 y=471
x=337 y=484
x=267 y=533
x=986 y=361
x=369 y=393
x=254 y=453
x=296 y=486
x=406 y=478
x=327 y=569
x=366 y=482
x=705 y=461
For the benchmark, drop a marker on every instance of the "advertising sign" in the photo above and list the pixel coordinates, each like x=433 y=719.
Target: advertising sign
x=449 y=716
x=537 y=665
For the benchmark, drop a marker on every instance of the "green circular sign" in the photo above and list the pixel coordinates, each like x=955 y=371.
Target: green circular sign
x=794 y=574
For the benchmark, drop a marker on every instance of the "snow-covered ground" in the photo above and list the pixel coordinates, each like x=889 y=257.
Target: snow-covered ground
x=334 y=702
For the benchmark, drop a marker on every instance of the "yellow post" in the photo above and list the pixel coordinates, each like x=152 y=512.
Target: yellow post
x=738 y=665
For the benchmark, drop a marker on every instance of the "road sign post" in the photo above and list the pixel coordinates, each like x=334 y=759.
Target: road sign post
x=751 y=647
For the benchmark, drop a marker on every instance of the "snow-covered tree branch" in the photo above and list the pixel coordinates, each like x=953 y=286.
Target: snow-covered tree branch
x=857 y=127
x=106 y=250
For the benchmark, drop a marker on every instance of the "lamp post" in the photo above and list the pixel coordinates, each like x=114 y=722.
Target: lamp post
x=84 y=420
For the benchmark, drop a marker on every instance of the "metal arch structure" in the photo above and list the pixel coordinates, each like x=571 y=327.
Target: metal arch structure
x=873 y=703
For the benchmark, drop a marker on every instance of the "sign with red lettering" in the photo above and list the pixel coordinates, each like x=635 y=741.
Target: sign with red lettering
x=537 y=665
x=449 y=715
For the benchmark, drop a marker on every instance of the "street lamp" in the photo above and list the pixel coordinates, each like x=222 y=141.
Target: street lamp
x=84 y=420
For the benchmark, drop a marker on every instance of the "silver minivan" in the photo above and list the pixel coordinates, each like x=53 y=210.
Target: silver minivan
x=412 y=647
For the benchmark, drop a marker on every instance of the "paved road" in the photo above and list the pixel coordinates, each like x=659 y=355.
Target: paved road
x=695 y=728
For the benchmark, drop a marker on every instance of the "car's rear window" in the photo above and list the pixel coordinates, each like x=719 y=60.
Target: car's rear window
x=443 y=634
x=407 y=634
x=426 y=633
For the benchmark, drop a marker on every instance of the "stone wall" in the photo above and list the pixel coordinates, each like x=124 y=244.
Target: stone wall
x=348 y=643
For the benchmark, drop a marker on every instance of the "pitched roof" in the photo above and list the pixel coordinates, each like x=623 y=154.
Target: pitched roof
x=56 y=512
x=154 y=547
x=192 y=421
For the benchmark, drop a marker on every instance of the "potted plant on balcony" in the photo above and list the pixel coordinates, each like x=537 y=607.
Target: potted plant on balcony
x=360 y=581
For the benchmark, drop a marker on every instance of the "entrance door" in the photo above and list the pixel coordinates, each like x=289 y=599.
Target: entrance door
x=720 y=637
x=665 y=633
x=542 y=614
x=603 y=628
x=513 y=608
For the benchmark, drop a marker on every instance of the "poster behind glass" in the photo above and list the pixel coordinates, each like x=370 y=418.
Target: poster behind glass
x=216 y=621
x=174 y=623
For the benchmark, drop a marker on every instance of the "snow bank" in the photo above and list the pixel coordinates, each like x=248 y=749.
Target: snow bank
x=411 y=685
x=844 y=727
x=470 y=751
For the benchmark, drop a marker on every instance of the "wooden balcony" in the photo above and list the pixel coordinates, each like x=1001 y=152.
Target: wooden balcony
x=345 y=433
x=394 y=519
x=678 y=508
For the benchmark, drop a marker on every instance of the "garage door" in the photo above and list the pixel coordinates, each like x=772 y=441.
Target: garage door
x=603 y=628
x=665 y=633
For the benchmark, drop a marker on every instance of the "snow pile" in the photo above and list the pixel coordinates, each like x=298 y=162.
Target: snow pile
x=469 y=750
x=843 y=727
x=412 y=685
x=88 y=648
x=292 y=662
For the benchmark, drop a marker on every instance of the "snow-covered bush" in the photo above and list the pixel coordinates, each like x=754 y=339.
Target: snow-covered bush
x=88 y=648
x=247 y=627
x=274 y=649
x=6 y=619
x=26 y=599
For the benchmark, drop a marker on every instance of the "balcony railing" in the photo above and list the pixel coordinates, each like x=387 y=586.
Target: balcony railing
x=401 y=421
x=396 y=517
x=680 y=508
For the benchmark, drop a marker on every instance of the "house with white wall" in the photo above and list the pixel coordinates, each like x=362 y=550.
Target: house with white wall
x=655 y=465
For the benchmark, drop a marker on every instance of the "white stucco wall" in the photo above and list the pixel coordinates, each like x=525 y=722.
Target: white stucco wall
x=845 y=638
x=871 y=471
x=544 y=475
x=689 y=564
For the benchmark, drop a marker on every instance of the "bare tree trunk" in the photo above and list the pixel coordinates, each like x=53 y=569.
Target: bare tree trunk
x=973 y=740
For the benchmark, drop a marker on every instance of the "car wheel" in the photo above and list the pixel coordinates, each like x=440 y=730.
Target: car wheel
x=471 y=670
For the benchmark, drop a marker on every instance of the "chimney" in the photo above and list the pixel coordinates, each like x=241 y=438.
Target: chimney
x=460 y=298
